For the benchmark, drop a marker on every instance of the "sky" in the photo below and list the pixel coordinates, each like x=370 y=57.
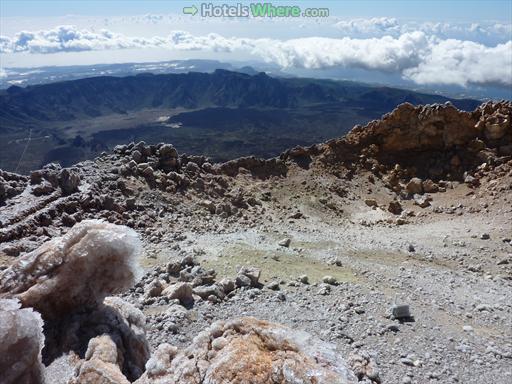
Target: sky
x=459 y=43
x=434 y=9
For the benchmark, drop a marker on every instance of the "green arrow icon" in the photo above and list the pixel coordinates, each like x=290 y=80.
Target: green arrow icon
x=190 y=10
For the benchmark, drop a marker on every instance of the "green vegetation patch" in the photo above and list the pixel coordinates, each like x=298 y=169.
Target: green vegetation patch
x=274 y=265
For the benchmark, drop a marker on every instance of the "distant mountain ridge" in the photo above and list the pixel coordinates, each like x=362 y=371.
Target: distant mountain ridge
x=97 y=96
x=222 y=114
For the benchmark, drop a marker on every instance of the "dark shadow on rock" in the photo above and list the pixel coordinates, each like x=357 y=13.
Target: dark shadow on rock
x=403 y=320
x=303 y=161
x=121 y=321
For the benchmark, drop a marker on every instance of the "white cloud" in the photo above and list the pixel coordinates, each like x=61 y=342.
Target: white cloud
x=185 y=41
x=484 y=32
x=67 y=38
x=464 y=62
x=376 y=25
x=385 y=54
x=418 y=56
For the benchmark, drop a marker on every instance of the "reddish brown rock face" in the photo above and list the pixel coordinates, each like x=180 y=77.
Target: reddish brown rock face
x=431 y=141
x=435 y=127
x=252 y=351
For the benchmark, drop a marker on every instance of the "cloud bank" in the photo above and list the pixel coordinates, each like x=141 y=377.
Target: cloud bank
x=484 y=32
x=416 y=55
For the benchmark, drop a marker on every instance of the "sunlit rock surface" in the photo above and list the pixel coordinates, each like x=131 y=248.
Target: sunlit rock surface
x=248 y=350
x=21 y=341
x=76 y=271
x=101 y=363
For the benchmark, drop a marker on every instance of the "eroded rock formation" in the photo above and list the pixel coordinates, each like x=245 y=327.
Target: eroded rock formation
x=431 y=141
x=122 y=323
x=21 y=342
x=67 y=279
x=77 y=271
x=101 y=364
x=247 y=350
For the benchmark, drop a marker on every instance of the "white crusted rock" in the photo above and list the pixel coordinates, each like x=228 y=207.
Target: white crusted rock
x=117 y=319
x=21 y=342
x=101 y=364
x=93 y=260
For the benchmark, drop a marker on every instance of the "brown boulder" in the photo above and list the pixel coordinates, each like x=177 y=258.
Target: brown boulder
x=248 y=350
x=395 y=207
x=430 y=187
x=414 y=186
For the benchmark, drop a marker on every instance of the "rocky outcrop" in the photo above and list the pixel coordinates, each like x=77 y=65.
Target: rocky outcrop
x=67 y=280
x=435 y=127
x=101 y=364
x=116 y=327
x=167 y=158
x=11 y=184
x=436 y=140
x=247 y=350
x=21 y=342
x=52 y=177
x=257 y=167
x=94 y=259
x=69 y=180
x=431 y=142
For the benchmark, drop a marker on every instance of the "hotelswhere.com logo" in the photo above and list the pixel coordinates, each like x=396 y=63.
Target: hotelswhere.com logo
x=253 y=10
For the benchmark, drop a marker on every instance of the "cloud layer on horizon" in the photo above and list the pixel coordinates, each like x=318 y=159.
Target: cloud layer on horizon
x=416 y=55
x=483 y=32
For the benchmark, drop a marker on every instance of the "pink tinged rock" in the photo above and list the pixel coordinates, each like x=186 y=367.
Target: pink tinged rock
x=101 y=364
x=93 y=260
x=248 y=350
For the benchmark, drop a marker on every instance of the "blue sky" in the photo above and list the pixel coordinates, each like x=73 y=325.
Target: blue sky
x=461 y=10
x=425 y=42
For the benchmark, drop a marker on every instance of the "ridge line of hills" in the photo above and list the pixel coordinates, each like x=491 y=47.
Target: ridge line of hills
x=223 y=115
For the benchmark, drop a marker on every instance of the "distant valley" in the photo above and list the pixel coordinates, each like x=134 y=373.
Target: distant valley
x=223 y=114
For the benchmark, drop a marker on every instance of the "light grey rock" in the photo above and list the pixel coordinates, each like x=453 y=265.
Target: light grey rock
x=181 y=291
x=21 y=342
x=285 y=242
x=331 y=280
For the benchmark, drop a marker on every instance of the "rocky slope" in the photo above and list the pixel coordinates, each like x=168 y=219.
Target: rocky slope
x=413 y=209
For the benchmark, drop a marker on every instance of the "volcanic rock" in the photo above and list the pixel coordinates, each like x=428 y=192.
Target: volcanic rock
x=395 y=207
x=252 y=351
x=21 y=342
x=94 y=259
x=180 y=291
x=101 y=363
x=414 y=186
x=68 y=181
